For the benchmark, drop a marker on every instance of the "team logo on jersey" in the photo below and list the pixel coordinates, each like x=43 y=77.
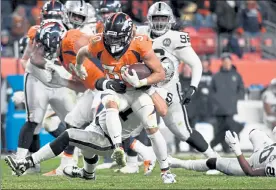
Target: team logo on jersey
x=167 y=42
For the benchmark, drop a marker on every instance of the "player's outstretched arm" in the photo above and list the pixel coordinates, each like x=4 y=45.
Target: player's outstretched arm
x=26 y=55
x=247 y=169
x=158 y=73
x=234 y=144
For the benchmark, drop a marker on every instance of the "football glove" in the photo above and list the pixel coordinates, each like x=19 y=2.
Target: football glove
x=18 y=97
x=80 y=71
x=188 y=95
x=116 y=85
x=233 y=141
x=133 y=79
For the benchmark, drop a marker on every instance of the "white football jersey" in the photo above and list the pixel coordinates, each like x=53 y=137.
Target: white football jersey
x=164 y=47
x=262 y=157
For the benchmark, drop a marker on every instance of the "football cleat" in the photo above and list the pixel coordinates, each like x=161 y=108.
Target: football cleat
x=148 y=167
x=119 y=156
x=19 y=166
x=129 y=169
x=76 y=172
x=168 y=177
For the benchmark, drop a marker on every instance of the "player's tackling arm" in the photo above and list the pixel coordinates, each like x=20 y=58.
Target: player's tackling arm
x=247 y=169
x=27 y=54
x=81 y=55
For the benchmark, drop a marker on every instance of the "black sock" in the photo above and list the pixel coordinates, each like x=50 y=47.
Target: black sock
x=35 y=144
x=60 y=143
x=26 y=135
x=61 y=128
x=197 y=141
x=69 y=150
x=211 y=163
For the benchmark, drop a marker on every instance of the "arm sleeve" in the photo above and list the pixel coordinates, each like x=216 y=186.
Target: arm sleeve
x=188 y=56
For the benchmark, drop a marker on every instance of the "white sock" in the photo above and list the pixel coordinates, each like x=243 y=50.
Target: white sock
x=132 y=160
x=196 y=165
x=45 y=153
x=160 y=149
x=89 y=168
x=21 y=153
x=210 y=153
x=141 y=149
x=114 y=126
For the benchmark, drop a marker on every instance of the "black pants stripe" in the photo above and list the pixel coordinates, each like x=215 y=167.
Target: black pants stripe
x=178 y=88
x=26 y=97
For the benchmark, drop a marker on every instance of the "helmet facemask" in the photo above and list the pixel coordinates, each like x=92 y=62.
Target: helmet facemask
x=160 y=24
x=76 y=20
x=116 y=43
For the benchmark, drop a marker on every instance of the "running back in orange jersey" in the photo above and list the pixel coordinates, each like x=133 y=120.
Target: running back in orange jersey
x=70 y=46
x=138 y=48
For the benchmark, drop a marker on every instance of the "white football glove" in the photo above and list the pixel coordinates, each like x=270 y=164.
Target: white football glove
x=233 y=141
x=80 y=71
x=18 y=97
x=133 y=80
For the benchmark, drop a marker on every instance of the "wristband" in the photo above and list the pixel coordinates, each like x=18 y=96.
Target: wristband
x=151 y=91
x=143 y=82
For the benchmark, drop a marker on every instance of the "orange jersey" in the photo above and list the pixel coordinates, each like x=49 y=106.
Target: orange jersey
x=32 y=32
x=70 y=46
x=99 y=27
x=138 y=48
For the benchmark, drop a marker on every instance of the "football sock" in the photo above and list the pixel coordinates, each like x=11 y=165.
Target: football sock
x=197 y=141
x=132 y=160
x=160 y=149
x=114 y=126
x=25 y=139
x=89 y=164
x=56 y=132
x=35 y=144
x=196 y=165
x=141 y=149
x=44 y=153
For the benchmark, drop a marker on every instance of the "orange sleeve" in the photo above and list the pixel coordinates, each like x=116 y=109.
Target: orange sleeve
x=94 y=45
x=144 y=44
x=94 y=73
x=32 y=32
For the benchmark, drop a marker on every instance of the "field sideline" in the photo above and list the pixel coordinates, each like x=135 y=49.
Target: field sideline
x=107 y=179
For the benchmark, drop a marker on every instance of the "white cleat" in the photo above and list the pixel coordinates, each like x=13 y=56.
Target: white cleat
x=129 y=169
x=106 y=166
x=119 y=156
x=148 y=167
x=168 y=177
x=212 y=172
x=33 y=170
x=76 y=172
x=19 y=166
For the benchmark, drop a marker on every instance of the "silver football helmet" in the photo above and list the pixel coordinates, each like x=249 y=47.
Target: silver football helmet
x=160 y=17
x=77 y=12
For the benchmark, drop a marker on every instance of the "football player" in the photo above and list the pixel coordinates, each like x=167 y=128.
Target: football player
x=38 y=91
x=77 y=12
x=117 y=48
x=172 y=47
x=261 y=163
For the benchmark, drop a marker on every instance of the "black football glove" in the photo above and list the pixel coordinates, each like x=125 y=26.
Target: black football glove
x=116 y=85
x=188 y=95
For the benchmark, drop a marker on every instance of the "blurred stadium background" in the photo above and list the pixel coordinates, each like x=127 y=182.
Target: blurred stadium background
x=244 y=29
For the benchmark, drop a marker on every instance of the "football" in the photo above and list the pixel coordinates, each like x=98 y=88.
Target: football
x=142 y=70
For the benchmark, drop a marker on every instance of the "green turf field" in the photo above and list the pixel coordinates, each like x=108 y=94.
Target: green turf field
x=107 y=179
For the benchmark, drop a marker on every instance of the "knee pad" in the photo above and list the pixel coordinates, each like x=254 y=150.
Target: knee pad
x=110 y=97
x=211 y=163
x=147 y=114
x=51 y=123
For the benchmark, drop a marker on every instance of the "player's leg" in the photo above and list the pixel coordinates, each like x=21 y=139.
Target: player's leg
x=143 y=107
x=61 y=106
x=36 y=104
x=259 y=139
x=177 y=121
x=114 y=103
x=228 y=166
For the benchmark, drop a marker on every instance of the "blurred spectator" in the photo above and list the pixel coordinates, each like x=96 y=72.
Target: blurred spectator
x=20 y=23
x=227 y=16
x=269 y=103
x=225 y=90
x=6 y=44
x=204 y=16
x=6 y=11
x=251 y=20
x=233 y=46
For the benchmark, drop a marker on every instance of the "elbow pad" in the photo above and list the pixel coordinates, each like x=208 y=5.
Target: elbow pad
x=100 y=83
